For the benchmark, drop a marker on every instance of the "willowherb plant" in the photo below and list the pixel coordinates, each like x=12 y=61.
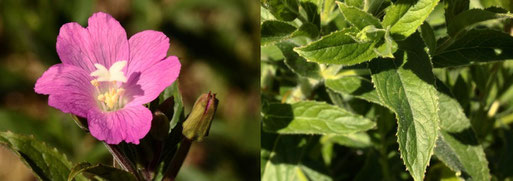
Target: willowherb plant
x=366 y=89
x=124 y=92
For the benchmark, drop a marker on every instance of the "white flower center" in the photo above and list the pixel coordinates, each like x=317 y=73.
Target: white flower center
x=107 y=84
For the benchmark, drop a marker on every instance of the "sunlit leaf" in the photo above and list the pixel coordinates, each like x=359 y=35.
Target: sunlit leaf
x=286 y=10
x=406 y=86
x=470 y=17
x=338 y=48
x=287 y=162
x=404 y=16
x=310 y=117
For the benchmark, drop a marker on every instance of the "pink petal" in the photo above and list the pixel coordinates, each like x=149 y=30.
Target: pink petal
x=146 y=86
x=146 y=49
x=69 y=88
x=109 y=43
x=74 y=46
x=129 y=124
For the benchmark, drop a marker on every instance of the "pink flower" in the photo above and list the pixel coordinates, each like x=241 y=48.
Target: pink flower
x=107 y=78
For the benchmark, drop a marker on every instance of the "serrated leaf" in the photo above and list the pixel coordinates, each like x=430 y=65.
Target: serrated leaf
x=296 y=63
x=470 y=17
x=287 y=161
x=476 y=46
x=102 y=171
x=355 y=3
x=355 y=86
x=357 y=17
x=427 y=34
x=338 y=48
x=47 y=163
x=406 y=86
x=286 y=10
x=405 y=16
x=310 y=117
x=457 y=145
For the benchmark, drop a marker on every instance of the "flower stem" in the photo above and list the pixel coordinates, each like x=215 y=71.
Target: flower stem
x=177 y=161
x=122 y=160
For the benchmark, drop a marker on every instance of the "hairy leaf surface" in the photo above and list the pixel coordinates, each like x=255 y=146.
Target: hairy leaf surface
x=338 y=48
x=457 y=145
x=405 y=16
x=406 y=86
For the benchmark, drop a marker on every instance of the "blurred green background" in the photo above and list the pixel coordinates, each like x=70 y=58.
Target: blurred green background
x=217 y=42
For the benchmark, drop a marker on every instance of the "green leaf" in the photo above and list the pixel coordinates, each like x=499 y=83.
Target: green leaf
x=312 y=13
x=354 y=140
x=355 y=86
x=427 y=34
x=457 y=145
x=296 y=63
x=506 y=4
x=310 y=117
x=266 y=147
x=355 y=3
x=453 y=8
x=327 y=7
x=357 y=17
x=338 y=48
x=174 y=91
x=102 y=171
x=276 y=31
x=406 y=86
x=388 y=47
x=47 y=163
x=405 y=16
x=287 y=161
x=286 y=10
x=273 y=31
x=470 y=17
x=307 y=30
x=476 y=46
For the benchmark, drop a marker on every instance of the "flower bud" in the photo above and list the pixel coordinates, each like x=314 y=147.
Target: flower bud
x=159 y=126
x=197 y=124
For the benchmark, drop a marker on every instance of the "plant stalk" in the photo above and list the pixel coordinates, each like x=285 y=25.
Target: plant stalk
x=121 y=160
x=177 y=161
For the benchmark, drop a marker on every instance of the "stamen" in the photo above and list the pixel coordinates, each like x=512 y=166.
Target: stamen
x=101 y=98
x=109 y=94
x=95 y=83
